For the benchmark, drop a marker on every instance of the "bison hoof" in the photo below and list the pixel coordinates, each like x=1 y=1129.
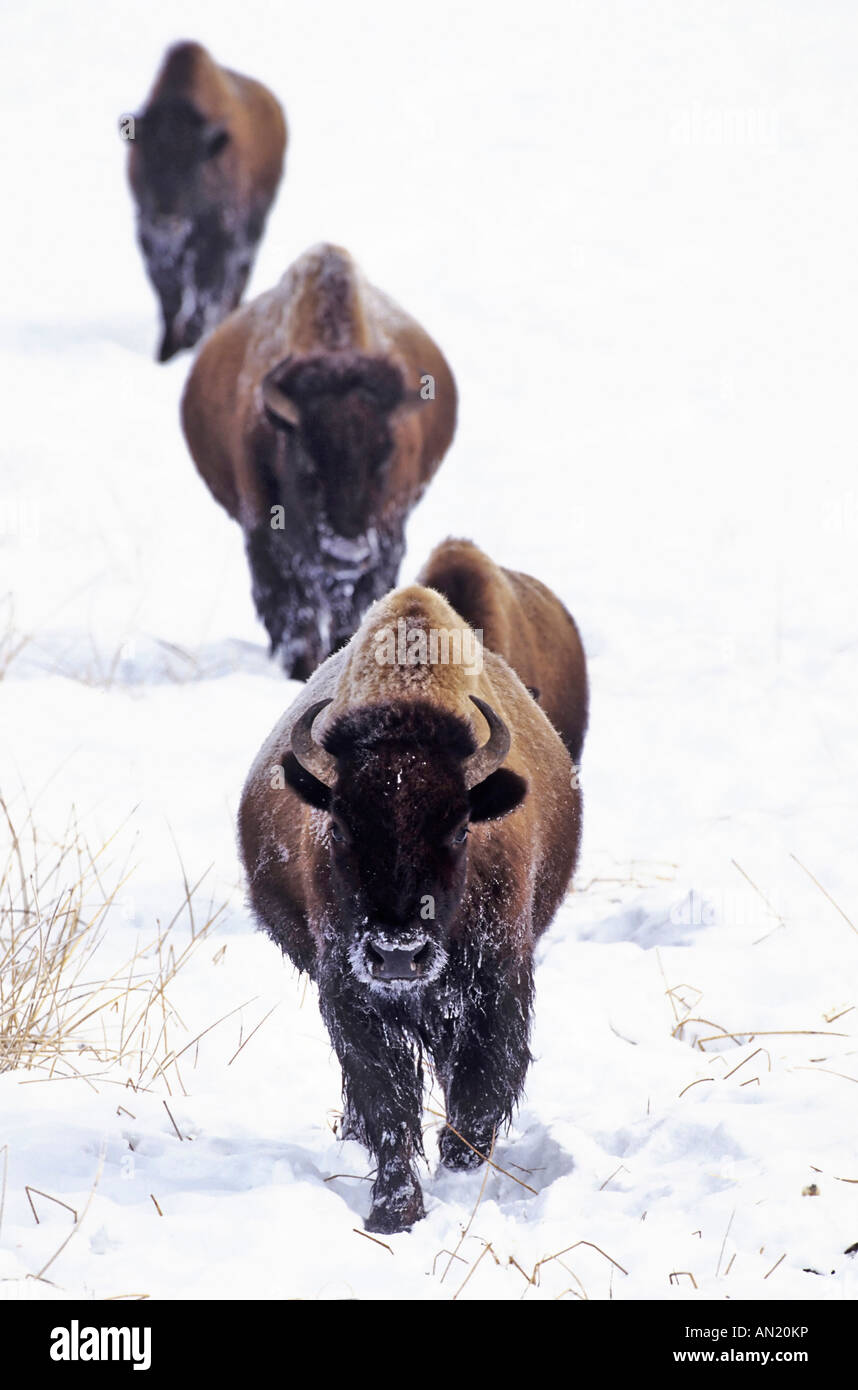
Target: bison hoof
x=459 y=1156
x=170 y=344
x=389 y=1217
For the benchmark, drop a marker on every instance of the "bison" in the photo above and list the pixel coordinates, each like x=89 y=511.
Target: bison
x=525 y=623
x=317 y=414
x=206 y=155
x=408 y=832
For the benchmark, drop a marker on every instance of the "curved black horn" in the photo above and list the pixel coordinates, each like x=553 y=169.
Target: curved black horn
x=310 y=754
x=487 y=759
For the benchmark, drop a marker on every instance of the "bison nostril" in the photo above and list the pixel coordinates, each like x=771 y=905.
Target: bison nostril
x=399 y=962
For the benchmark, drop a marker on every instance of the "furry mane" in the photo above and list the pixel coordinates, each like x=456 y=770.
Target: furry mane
x=414 y=723
x=336 y=373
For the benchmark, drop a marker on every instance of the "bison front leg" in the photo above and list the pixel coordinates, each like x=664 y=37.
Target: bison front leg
x=397 y=1201
x=293 y=612
x=382 y=1092
x=484 y=1072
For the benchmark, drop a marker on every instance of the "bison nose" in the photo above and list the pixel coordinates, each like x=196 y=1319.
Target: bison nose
x=404 y=961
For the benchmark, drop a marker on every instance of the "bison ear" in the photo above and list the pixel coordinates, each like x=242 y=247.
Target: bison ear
x=280 y=408
x=215 y=138
x=497 y=795
x=305 y=785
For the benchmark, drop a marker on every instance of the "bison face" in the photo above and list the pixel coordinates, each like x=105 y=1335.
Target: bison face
x=176 y=147
x=402 y=785
x=399 y=827
x=338 y=410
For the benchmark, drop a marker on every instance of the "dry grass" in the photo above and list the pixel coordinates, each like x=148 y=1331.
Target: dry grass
x=61 y=1015
x=134 y=663
x=12 y=642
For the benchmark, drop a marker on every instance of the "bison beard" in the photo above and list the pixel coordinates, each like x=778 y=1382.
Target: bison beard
x=474 y=1024
x=198 y=268
x=311 y=602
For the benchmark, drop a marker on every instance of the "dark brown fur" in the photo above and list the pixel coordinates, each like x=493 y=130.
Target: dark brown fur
x=204 y=166
x=341 y=476
x=525 y=623
x=399 y=734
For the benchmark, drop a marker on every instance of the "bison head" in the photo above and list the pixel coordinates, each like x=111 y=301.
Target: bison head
x=337 y=412
x=176 y=144
x=402 y=784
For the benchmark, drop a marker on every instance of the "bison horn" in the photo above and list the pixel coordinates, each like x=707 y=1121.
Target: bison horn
x=487 y=759
x=280 y=408
x=310 y=754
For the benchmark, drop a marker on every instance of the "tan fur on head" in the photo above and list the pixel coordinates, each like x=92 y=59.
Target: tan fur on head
x=366 y=681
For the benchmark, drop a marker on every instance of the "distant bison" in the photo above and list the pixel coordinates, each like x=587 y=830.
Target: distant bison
x=408 y=832
x=205 y=158
x=317 y=415
x=525 y=623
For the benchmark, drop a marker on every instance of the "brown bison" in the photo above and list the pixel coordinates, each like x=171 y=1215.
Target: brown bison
x=206 y=155
x=408 y=831
x=525 y=623
x=317 y=415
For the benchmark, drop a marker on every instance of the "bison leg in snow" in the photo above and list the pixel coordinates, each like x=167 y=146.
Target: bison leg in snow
x=199 y=269
x=164 y=242
x=383 y=1092
x=290 y=605
x=311 y=607
x=484 y=1070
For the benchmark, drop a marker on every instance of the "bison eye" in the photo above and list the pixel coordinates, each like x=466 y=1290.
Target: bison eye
x=460 y=836
x=337 y=834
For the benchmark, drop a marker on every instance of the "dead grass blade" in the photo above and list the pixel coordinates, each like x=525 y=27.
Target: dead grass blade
x=824 y=892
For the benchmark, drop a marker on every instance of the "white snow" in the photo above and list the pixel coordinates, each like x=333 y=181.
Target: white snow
x=632 y=229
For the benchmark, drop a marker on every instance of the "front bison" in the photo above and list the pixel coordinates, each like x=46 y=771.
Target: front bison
x=409 y=831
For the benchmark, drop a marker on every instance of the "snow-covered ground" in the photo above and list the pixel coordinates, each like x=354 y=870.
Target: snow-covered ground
x=633 y=231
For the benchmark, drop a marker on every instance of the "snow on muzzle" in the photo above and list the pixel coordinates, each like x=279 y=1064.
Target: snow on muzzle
x=395 y=960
